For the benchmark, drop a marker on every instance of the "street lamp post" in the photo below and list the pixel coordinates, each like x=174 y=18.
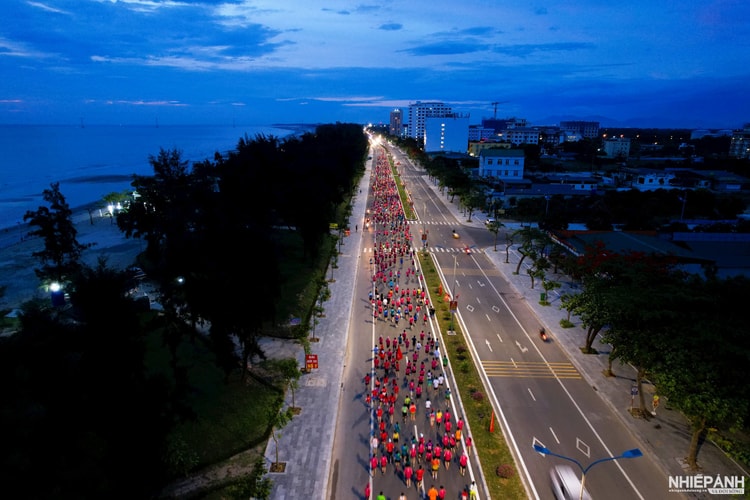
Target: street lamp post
x=634 y=453
x=453 y=294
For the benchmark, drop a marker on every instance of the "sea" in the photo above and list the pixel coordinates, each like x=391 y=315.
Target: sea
x=91 y=161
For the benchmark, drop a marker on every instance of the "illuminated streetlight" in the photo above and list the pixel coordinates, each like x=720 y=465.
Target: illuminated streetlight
x=57 y=296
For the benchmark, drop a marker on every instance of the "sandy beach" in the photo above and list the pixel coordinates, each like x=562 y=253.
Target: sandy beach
x=17 y=263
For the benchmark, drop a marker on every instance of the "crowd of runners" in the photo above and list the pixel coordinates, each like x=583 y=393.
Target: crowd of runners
x=414 y=433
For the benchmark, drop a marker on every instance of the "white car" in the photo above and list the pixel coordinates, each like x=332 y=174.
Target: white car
x=566 y=483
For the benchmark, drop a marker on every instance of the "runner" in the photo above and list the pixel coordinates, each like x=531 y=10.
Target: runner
x=432 y=494
x=408 y=473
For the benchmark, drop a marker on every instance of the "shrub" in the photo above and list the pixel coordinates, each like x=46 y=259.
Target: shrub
x=477 y=396
x=505 y=471
x=566 y=323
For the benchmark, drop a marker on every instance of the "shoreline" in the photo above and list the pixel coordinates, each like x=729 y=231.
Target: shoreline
x=17 y=263
x=16 y=234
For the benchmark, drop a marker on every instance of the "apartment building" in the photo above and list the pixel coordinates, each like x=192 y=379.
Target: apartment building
x=396 y=123
x=419 y=111
x=502 y=164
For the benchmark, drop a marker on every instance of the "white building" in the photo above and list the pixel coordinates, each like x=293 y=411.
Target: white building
x=617 y=147
x=419 y=111
x=502 y=164
x=650 y=179
x=522 y=135
x=449 y=134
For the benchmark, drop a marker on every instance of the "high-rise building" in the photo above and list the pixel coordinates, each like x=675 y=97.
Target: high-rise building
x=740 y=145
x=396 y=123
x=419 y=111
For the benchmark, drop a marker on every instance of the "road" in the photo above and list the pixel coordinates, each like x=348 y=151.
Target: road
x=537 y=391
x=355 y=423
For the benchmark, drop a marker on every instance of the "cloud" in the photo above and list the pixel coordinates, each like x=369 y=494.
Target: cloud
x=391 y=26
x=446 y=48
x=341 y=12
x=47 y=8
x=523 y=50
x=20 y=49
x=148 y=103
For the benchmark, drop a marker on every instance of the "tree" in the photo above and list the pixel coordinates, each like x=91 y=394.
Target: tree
x=509 y=240
x=78 y=400
x=289 y=370
x=533 y=241
x=278 y=419
x=704 y=369
x=611 y=290
x=472 y=200
x=494 y=228
x=646 y=300
x=548 y=286
x=60 y=258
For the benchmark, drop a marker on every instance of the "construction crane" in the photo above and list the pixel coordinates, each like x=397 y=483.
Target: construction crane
x=494 y=105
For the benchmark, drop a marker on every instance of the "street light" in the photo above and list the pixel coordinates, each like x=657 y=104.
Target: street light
x=453 y=295
x=634 y=453
x=57 y=295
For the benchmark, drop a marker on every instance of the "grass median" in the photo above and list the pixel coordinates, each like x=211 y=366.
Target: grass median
x=498 y=465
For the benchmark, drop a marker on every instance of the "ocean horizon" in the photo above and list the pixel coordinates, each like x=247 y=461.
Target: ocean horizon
x=94 y=160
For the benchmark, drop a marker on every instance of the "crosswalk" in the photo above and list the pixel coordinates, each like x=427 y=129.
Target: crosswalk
x=434 y=249
x=431 y=223
x=530 y=369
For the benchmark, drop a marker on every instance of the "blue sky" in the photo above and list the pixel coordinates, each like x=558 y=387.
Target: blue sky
x=659 y=63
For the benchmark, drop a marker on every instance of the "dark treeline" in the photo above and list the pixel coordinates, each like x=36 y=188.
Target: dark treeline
x=84 y=415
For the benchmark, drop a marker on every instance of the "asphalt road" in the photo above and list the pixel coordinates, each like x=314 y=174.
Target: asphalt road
x=538 y=393
x=356 y=424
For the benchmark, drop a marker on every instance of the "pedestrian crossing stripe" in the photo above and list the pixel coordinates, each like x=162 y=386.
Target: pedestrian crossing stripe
x=431 y=222
x=434 y=250
x=530 y=369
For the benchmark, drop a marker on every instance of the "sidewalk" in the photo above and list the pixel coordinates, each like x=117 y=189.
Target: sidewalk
x=666 y=437
x=305 y=449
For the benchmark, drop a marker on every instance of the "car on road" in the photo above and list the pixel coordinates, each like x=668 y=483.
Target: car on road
x=566 y=484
